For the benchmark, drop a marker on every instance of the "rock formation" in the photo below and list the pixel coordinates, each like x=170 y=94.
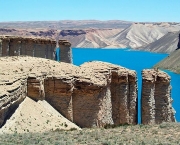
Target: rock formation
x=156 y=97
x=94 y=94
x=178 y=46
x=37 y=47
x=85 y=94
x=65 y=51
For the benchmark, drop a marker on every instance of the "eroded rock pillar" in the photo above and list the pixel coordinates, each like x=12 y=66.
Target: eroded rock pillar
x=163 y=101
x=65 y=51
x=156 y=97
x=133 y=103
x=119 y=89
x=124 y=97
x=147 y=96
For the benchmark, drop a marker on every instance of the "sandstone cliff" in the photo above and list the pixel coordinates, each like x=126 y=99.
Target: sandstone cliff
x=37 y=47
x=94 y=94
x=156 y=97
x=85 y=94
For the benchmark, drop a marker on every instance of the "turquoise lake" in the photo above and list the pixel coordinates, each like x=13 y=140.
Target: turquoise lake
x=132 y=59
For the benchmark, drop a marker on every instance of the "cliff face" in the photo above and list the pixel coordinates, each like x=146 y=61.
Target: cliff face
x=156 y=97
x=84 y=95
x=94 y=94
x=13 y=90
x=37 y=47
x=178 y=46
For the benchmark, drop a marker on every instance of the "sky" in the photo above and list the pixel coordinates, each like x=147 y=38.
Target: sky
x=54 y=10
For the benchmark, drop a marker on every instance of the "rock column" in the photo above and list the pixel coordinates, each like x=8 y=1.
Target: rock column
x=147 y=96
x=132 y=103
x=124 y=97
x=156 y=97
x=119 y=89
x=163 y=100
x=65 y=51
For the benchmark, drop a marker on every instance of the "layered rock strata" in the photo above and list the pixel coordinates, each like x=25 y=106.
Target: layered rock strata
x=94 y=94
x=36 y=47
x=156 y=97
x=85 y=95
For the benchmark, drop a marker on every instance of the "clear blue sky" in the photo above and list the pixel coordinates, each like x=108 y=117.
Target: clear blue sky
x=130 y=10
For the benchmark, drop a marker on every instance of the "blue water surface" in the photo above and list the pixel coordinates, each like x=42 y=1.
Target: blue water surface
x=136 y=60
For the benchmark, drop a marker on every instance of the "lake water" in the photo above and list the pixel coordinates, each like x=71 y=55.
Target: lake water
x=136 y=60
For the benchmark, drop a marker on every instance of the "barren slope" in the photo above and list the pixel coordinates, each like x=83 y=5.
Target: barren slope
x=166 y=44
x=172 y=62
x=90 y=38
x=33 y=116
x=139 y=35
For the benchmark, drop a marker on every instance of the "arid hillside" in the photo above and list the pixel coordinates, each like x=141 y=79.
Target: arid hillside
x=166 y=44
x=156 y=37
x=172 y=62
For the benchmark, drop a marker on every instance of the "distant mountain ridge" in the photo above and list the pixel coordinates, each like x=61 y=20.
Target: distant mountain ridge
x=156 y=37
x=66 y=24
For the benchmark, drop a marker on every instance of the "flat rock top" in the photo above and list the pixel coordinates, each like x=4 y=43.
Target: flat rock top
x=16 y=68
x=151 y=75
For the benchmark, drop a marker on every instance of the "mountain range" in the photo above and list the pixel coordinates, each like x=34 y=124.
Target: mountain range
x=156 y=37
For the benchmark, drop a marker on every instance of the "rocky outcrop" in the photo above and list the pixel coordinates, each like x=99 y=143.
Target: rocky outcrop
x=94 y=94
x=37 y=47
x=156 y=97
x=72 y=32
x=121 y=85
x=85 y=94
x=65 y=51
x=12 y=94
x=178 y=46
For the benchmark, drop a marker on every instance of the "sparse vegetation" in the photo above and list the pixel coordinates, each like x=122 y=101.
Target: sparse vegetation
x=166 y=133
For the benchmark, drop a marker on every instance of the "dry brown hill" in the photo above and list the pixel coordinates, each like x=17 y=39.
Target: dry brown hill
x=172 y=62
x=100 y=34
x=166 y=44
